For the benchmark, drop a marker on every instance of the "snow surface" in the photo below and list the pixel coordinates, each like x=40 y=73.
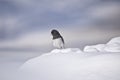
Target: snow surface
x=72 y=64
x=112 y=46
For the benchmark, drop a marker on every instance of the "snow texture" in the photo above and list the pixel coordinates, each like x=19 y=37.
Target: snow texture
x=73 y=64
x=112 y=46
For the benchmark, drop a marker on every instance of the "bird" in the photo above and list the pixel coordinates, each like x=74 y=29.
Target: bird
x=57 y=39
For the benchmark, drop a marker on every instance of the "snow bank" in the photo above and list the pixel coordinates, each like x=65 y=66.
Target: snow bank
x=112 y=46
x=72 y=64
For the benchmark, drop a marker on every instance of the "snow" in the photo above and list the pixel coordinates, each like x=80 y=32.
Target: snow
x=112 y=46
x=72 y=64
x=97 y=62
x=77 y=50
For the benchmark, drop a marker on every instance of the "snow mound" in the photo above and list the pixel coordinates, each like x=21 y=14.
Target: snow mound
x=72 y=64
x=112 y=46
x=115 y=41
x=77 y=50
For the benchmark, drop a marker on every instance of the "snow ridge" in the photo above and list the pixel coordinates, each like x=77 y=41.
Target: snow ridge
x=112 y=46
x=101 y=63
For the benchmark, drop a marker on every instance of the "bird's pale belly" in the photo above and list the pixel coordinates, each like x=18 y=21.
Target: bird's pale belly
x=58 y=43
